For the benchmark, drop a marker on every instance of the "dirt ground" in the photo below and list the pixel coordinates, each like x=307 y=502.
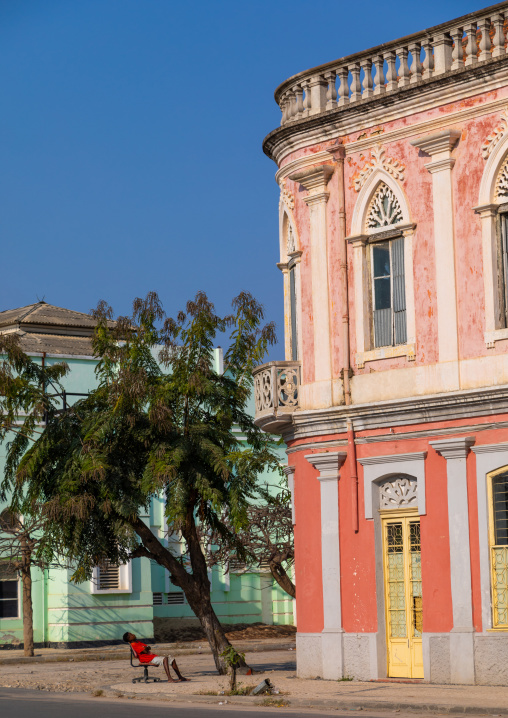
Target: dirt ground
x=165 y=632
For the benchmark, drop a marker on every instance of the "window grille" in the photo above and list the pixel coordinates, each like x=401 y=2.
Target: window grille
x=9 y=586
x=108 y=576
x=499 y=548
x=176 y=598
x=158 y=599
x=237 y=566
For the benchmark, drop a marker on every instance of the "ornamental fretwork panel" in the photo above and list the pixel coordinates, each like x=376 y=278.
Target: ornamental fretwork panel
x=399 y=492
x=384 y=209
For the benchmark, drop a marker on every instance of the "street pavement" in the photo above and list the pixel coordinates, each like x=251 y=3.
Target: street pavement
x=16 y=703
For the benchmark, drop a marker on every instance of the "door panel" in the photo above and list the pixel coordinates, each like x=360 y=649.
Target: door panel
x=403 y=591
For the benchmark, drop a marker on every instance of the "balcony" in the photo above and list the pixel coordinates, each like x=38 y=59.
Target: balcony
x=276 y=388
x=458 y=45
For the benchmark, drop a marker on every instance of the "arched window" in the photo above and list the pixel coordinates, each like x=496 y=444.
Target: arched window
x=382 y=236
x=290 y=261
x=498 y=534
x=387 y=273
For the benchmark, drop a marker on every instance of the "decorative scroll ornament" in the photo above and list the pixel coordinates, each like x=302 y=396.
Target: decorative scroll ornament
x=502 y=182
x=384 y=209
x=398 y=493
x=495 y=136
x=287 y=197
x=378 y=160
x=291 y=246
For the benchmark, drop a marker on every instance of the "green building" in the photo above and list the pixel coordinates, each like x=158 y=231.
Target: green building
x=122 y=598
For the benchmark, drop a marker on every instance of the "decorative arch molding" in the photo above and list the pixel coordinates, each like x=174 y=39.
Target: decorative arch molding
x=378 y=470
x=494 y=179
x=493 y=167
x=366 y=195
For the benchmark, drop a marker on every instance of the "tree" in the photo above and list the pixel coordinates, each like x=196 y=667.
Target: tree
x=267 y=540
x=22 y=546
x=23 y=391
x=155 y=425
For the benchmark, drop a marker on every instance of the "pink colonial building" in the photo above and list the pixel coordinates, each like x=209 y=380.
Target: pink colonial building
x=393 y=396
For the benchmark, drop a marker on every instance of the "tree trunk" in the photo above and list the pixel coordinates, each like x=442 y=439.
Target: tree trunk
x=26 y=579
x=282 y=578
x=195 y=585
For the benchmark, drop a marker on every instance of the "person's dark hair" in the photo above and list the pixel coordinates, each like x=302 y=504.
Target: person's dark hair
x=126 y=637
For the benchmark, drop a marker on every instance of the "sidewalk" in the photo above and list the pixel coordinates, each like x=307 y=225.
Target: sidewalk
x=114 y=679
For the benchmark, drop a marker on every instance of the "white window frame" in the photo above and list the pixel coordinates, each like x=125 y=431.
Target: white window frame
x=125 y=581
x=288 y=261
x=360 y=239
x=15 y=618
x=488 y=209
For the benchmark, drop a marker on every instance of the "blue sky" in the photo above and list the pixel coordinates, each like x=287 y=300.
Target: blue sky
x=130 y=140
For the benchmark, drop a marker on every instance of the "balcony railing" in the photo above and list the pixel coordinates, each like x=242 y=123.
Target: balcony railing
x=455 y=45
x=276 y=388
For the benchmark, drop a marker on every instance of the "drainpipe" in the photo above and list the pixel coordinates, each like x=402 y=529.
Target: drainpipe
x=339 y=153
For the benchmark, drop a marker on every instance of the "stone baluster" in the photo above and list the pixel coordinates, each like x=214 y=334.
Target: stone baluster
x=318 y=89
x=366 y=66
x=416 y=65
x=283 y=109
x=471 y=46
x=498 y=39
x=427 y=64
x=403 y=68
x=343 y=75
x=391 y=74
x=356 y=89
x=306 y=99
x=292 y=104
x=457 y=53
x=442 y=45
x=331 y=93
x=299 y=101
x=485 y=44
x=379 y=77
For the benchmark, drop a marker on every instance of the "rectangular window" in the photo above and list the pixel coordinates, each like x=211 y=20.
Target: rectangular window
x=499 y=548
x=9 y=597
x=503 y=271
x=389 y=293
x=111 y=578
x=292 y=303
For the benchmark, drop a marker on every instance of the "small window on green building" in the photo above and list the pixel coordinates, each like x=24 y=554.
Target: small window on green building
x=9 y=603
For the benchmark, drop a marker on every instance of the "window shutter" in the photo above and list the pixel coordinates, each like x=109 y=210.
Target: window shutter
x=109 y=576
x=292 y=302
x=399 y=291
x=382 y=294
x=504 y=268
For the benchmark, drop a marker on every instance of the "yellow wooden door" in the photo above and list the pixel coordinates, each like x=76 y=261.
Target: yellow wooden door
x=403 y=596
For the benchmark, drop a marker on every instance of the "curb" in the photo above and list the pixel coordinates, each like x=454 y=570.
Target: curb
x=87 y=657
x=318 y=703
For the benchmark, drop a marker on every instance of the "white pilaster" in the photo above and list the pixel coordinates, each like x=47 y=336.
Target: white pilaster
x=488 y=214
x=439 y=146
x=329 y=464
x=315 y=180
x=290 y=473
x=455 y=452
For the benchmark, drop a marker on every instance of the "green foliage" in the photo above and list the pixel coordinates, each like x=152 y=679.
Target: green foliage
x=231 y=657
x=160 y=422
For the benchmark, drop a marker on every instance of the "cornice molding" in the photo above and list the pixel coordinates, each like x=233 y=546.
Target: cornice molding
x=385 y=108
x=438 y=142
x=288 y=470
x=453 y=448
x=393 y=458
x=314 y=178
x=448 y=406
x=489 y=448
x=328 y=464
x=440 y=165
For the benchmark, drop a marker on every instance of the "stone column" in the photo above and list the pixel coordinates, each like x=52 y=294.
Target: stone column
x=315 y=180
x=488 y=215
x=455 y=452
x=290 y=473
x=440 y=146
x=328 y=465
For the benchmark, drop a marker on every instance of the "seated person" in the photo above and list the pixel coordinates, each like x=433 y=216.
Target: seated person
x=146 y=658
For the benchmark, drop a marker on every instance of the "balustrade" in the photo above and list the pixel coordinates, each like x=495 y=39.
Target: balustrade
x=276 y=388
x=457 y=45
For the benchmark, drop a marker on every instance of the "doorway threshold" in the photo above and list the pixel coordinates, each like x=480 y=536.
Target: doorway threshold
x=397 y=680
